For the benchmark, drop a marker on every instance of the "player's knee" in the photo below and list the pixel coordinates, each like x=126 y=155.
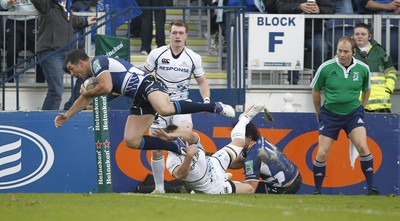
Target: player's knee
x=166 y=110
x=363 y=150
x=131 y=143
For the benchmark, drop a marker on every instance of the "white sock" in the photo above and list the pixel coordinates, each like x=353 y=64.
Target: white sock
x=239 y=131
x=157 y=166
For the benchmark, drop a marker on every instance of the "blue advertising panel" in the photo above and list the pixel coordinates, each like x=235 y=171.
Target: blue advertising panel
x=295 y=134
x=37 y=157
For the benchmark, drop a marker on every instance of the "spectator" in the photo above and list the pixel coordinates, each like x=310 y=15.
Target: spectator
x=136 y=23
x=77 y=6
x=270 y=6
x=343 y=78
x=383 y=73
x=56 y=24
x=381 y=6
x=214 y=27
x=376 y=6
x=17 y=28
x=147 y=25
x=319 y=46
x=343 y=6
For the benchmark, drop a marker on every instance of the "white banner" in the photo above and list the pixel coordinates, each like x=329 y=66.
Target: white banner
x=276 y=42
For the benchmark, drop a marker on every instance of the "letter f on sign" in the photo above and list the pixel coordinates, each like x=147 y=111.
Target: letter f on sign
x=274 y=41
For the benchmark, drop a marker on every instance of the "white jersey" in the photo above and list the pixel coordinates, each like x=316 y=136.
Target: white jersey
x=175 y=71
x=206 y=174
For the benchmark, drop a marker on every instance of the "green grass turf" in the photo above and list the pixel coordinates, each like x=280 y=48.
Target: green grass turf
x=191 y=207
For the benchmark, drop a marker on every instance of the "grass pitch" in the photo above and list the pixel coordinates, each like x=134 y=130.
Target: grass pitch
x=192 y=207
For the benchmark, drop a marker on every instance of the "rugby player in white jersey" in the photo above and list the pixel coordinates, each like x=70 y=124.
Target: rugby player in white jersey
x=204 y=174
x=174 y=64
x=149 y=97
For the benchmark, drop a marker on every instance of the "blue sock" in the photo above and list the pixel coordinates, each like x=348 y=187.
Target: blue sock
x=319 y=169
x=186 y=107
x=154 y=143
x=367 y=166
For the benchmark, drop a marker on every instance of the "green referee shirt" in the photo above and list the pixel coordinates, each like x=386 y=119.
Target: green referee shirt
x=342 y=87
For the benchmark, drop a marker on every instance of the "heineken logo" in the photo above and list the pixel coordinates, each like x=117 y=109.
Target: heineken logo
x=115 y=49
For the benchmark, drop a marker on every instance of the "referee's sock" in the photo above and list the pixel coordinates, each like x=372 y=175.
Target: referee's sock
x=319 y=169
x=154 y=143
x=367 y=166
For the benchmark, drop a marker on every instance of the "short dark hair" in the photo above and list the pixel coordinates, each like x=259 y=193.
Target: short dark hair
x=75 y=56
x=252 y=131
x=363 y=25
x=350 y=40
x=180 y=23
x=171 y=128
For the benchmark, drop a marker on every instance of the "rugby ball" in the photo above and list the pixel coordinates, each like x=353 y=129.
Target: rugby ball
x=90 y=83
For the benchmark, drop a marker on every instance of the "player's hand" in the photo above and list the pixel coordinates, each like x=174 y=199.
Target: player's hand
x=191 y=150
x=160 y=133
x=60 y=119
x=83 y=90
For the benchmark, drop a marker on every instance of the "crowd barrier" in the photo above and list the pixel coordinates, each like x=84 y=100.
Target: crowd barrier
x=37 y=157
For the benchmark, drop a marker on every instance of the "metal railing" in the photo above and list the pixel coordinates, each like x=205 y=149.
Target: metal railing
x=333 y=27
x=25 y=64
x=386 y=30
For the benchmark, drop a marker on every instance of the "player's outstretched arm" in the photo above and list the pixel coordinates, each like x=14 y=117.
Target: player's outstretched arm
x=81 y=103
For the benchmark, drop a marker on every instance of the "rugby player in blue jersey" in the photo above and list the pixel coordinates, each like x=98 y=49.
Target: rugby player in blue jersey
x=262 y=159
x=149 y=96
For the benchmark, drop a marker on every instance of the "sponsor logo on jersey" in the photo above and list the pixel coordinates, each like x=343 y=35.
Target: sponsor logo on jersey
x=96 y=66
x=25 y=157
x=178 y=69
x=355 y=76
x=333 y=74
x=249 y=167
x=165 y=61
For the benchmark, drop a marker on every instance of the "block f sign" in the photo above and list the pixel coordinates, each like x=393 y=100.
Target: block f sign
x=274 y=39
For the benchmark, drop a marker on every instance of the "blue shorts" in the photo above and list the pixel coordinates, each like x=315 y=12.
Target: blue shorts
x=141 y=106
x=330 y=124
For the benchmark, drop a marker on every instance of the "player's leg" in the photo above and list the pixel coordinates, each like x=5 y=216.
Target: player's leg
x=136 y=126
x=157 y=167
x=157 y=156
x=319 y=164
x=227 y=154
x=242 y=187
x=238 y=133
x=355 y=129
x=329 y=128
x=359 y=138
x=161 y=103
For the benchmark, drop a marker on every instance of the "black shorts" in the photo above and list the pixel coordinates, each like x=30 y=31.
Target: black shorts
x=141 y=106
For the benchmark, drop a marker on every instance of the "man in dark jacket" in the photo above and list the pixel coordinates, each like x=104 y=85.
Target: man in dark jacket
x=56 y=25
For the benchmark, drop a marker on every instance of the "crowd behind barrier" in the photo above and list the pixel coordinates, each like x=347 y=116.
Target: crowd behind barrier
x=385 y=31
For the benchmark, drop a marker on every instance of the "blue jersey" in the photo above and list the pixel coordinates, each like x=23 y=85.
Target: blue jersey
x=277 y=171
x=126 y=78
